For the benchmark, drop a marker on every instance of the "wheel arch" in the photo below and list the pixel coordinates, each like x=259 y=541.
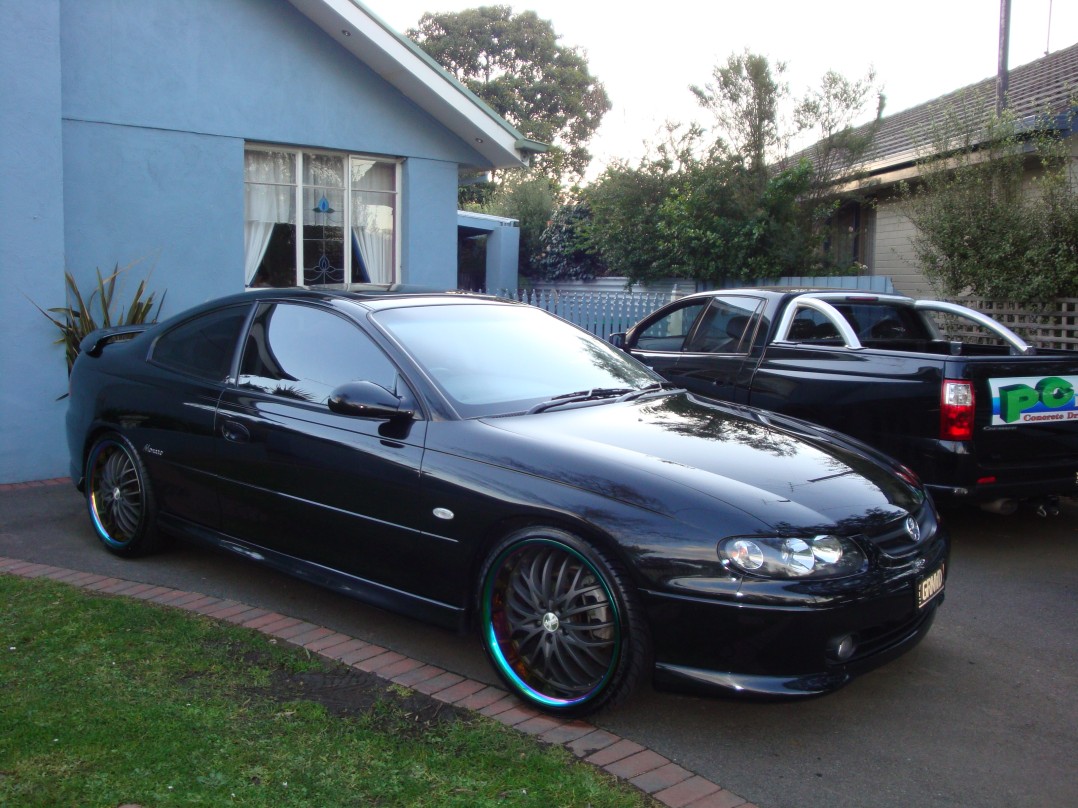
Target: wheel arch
x=91 y=436
x=569 y=523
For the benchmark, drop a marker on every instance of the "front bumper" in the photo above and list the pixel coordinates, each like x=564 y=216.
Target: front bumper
x=783 y=639
x=687 y=679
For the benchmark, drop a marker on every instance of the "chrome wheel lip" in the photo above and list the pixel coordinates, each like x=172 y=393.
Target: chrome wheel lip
x=115 y=493
x=547 y=623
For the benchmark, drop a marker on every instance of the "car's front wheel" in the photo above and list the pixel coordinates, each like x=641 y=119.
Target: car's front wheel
x=120 y=497
x=561 y=623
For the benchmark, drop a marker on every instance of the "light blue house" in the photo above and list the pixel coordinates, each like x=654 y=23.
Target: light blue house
x=218 y=144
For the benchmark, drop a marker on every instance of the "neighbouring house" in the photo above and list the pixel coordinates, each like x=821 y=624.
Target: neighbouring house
x=220 y=145
x=874 y=231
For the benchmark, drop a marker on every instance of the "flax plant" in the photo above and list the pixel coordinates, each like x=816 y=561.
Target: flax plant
x=83 y=315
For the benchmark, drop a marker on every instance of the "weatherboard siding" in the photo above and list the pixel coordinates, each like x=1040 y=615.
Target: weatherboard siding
x=894 y=254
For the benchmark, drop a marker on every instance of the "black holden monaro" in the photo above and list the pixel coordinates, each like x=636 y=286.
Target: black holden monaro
x=474 y=462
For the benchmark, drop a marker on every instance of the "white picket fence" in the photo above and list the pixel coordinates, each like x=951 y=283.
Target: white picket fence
x=606 y=306
x=601 y=313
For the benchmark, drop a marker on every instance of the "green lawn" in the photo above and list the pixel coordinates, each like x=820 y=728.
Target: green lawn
x=106 y=701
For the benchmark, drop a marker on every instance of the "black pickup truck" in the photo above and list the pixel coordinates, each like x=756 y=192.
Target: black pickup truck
x=989 y=423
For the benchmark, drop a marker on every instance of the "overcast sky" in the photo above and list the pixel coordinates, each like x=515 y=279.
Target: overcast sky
x=647 y=54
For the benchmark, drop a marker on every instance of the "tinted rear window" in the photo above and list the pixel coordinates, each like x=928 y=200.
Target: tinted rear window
x=203 y=346
x=879 y=321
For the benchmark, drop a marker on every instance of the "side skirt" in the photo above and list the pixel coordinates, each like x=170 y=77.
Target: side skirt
x=370 y=592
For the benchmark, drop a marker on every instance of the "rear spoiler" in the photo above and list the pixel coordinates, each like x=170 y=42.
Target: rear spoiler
x=94 y=342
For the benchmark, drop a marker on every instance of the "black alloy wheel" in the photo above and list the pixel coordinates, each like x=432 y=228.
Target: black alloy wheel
x=560 y=624
x=119 y=497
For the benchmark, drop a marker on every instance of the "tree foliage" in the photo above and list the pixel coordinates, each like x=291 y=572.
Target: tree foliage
x=989 y=226
x=723 y=205
x=530 y=199
x=831 y=112
x=744 y=97
x=718 y=225
x=514 y=63
x=626 y=202
x=565 y=251
x=706 y=217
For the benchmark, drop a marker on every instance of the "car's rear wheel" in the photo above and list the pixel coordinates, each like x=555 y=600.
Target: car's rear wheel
x=561 y=623
x=120 y=497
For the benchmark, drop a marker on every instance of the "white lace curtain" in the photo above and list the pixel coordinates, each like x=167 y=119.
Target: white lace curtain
x=270 y=191
x=373 y=186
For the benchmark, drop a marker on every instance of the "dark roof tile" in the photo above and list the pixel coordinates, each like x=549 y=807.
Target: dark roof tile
x=1048 y=85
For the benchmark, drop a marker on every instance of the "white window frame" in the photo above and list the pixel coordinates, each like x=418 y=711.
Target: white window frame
x=301 y=213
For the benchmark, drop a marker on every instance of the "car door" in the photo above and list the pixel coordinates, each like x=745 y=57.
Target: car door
x=713 y=358
x=701 y=344
x=657 y=341
x=172 y=419
x=299 y=479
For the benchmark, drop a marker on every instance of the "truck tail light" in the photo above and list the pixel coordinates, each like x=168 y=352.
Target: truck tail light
x=956 y=411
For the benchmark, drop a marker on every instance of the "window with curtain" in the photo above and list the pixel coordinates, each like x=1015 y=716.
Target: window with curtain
x=319 y=218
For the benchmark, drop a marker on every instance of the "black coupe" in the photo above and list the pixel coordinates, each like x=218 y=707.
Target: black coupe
x=475 y=462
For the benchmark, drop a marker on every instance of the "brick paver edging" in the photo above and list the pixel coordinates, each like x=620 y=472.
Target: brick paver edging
x=649 y=771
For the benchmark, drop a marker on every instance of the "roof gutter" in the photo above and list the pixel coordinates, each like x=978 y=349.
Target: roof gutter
x=406 y=66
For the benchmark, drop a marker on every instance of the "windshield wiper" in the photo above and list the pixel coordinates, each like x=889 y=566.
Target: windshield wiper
x=595 y=394
x=658 y=387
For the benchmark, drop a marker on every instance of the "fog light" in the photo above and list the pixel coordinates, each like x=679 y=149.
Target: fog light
x=842 y=648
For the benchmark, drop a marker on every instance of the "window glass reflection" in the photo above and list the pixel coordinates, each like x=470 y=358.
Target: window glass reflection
x=303 y=353
x=499 y=359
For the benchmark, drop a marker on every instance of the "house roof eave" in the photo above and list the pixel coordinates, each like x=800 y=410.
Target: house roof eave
x=404 y=65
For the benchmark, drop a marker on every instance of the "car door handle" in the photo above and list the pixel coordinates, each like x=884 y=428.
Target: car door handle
x=232 y=431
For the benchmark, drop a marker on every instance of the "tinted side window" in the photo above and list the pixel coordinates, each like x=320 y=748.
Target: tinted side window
x=669 y=331
x=727 y=326
x=204 y=346
x=303 y=353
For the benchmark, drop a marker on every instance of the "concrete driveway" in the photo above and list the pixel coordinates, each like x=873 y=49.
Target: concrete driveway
x=983 y=713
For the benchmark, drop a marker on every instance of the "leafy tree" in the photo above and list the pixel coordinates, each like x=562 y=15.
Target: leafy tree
x=625 y=204
x=514 y=63
x=744 y=98
x=705 y=217
x=841 y=146
x=729 y=204
x=530 y=199
x=987 y=224
x=716 y=227
x=565 y=249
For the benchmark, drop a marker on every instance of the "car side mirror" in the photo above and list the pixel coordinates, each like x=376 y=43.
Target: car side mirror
x=617 y=340
x=367 y=400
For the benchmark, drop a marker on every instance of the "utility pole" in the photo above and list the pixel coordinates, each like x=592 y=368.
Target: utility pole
x=1004 y=46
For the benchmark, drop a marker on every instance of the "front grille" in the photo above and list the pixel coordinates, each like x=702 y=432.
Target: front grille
x=895 y=542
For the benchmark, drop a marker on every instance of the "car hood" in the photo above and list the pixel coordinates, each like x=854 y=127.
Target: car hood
x=784 y=479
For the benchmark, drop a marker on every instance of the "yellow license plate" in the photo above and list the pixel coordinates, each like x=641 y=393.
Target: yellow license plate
x=929 y=587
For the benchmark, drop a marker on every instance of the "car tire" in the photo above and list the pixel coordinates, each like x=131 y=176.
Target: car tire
x=560 y=622
x=120 y=498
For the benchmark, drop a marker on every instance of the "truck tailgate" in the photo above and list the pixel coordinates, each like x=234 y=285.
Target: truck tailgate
x=1026 y=419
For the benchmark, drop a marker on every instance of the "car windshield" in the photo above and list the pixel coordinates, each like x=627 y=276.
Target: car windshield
x=498 y=360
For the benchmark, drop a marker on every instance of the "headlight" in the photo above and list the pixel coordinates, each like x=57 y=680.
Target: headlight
x=809 y=557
